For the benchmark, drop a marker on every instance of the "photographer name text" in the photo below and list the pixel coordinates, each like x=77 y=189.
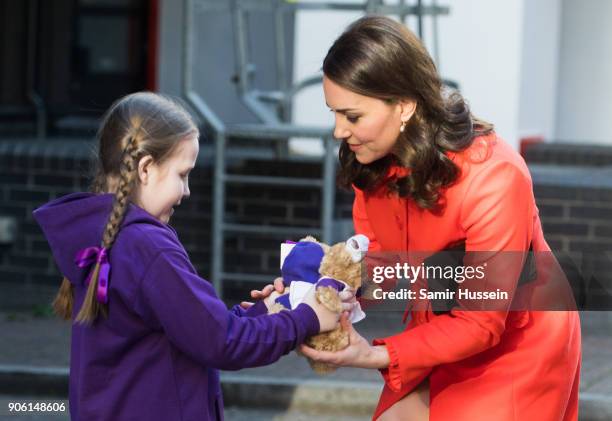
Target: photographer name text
x=423 y=293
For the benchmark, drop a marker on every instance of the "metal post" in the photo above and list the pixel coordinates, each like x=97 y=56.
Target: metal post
x=218 y=238
x=436 y=46
x=218 y=129
x=282 y=148
x=33 y=95
x=329 y=189
x=240 y=47
x=420 y=18
x=403 y=13
x=281 y=50
x=371 y=6
x=186 y=55
x=217 y=231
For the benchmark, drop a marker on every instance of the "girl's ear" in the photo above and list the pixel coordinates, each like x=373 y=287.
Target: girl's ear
x=407 y=109
x=144 y=169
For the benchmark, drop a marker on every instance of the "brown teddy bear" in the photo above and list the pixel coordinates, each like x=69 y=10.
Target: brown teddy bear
x=331 y=269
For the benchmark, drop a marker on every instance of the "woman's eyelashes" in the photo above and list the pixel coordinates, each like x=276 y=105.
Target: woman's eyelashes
x=351 y=118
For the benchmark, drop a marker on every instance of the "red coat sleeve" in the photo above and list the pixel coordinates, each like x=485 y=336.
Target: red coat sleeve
x=496 y=215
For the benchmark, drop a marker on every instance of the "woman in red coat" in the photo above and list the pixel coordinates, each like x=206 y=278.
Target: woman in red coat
x=427 y=174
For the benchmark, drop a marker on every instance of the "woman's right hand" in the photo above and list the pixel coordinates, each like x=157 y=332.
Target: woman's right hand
x=359 y=353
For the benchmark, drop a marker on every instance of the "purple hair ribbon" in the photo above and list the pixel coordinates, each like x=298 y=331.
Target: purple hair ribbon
x=89 y=256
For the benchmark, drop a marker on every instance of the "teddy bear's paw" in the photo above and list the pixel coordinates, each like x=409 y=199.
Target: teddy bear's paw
x=332 y=341
x=321 y=368
x=342 y=340
x=276 y=308
x=328 y=296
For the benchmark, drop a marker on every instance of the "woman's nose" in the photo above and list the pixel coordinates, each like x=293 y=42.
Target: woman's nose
x=341 y=131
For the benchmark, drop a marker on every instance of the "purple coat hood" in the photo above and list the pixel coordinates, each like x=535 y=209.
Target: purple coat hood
x=76 y=221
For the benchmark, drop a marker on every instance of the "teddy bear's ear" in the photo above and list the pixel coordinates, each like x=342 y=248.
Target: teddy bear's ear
x=357 y=246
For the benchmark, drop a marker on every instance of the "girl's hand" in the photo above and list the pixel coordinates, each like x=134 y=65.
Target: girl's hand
x=265 y=292
x=328 y=320
x=359 y=353
x=270 y=299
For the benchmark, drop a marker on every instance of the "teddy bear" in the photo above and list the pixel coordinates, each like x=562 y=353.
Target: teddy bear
x=331 y=269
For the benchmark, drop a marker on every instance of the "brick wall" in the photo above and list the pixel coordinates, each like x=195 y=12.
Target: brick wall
x=575 y=205
x=576 y=219
x=559 y=153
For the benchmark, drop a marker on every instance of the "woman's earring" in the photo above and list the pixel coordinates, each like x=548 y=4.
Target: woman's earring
x=403 y=127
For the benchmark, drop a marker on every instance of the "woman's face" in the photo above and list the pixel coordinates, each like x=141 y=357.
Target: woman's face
x=368 y=125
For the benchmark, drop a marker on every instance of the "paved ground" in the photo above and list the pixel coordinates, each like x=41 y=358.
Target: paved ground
x=241 y=414
x=31 y=344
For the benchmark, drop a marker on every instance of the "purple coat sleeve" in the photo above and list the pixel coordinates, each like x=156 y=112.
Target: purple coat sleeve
x=185 y=306
x=255 y=310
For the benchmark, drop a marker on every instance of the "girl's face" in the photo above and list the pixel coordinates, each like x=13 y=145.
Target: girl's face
x=368 y=125
x=163 y=186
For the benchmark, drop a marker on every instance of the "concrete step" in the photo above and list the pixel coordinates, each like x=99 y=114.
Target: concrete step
x=312 y=396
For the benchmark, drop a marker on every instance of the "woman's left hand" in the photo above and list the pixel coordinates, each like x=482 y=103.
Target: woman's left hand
x=359 y=353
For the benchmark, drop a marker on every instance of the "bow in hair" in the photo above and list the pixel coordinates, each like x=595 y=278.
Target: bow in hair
x=99 y=256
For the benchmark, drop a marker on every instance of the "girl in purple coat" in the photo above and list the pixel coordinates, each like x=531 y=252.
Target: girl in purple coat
x=149 y=333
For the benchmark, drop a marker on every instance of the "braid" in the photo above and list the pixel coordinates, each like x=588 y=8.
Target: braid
x=98 y=184
x=62 y=304
x=127 y=174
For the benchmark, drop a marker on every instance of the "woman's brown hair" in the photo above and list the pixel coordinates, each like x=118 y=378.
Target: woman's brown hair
x=135 y=126
x=380 y=58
